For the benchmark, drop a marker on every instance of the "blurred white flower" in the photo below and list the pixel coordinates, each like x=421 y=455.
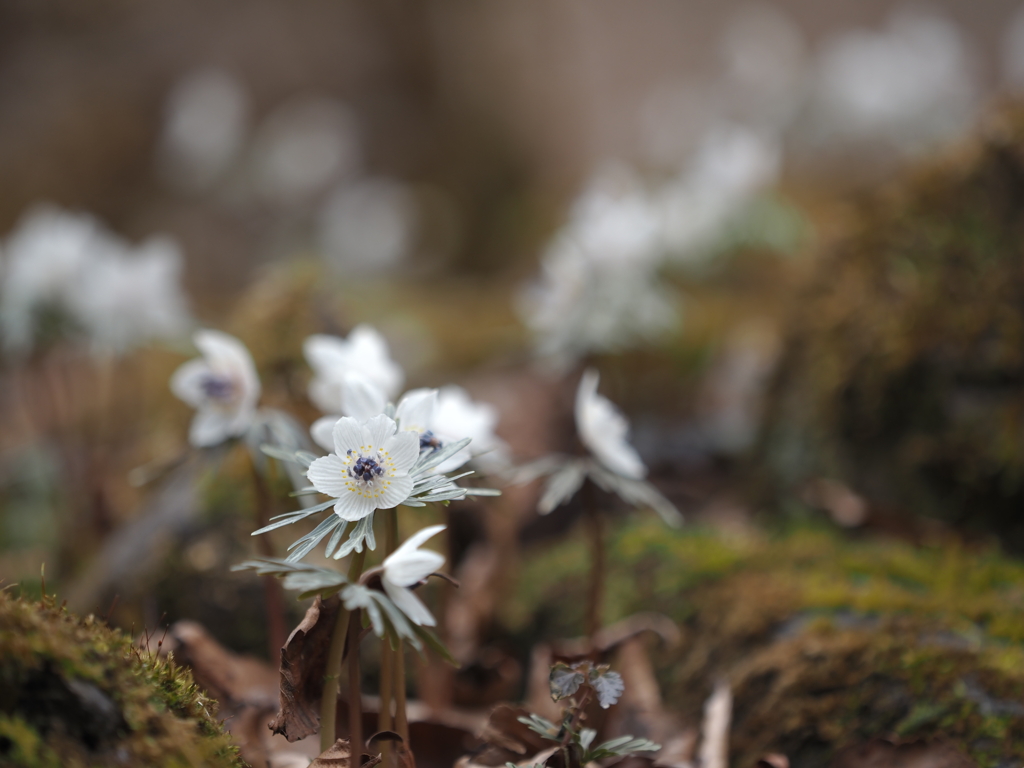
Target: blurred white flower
x=457 y=416
x=302 y=147
x=369 y=468
x=128 y=298
x=603 y=430
x=598 y=290
x=222 y=386
x=118 y=295
x=333 y=360
x=910 y=83
x=731 y=165
x=46 y=256
x=205 y=120
x=368 y=225
x=406 y=567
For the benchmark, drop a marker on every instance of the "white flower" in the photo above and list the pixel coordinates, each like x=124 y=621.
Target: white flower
x=457 y=416
x=119 y=295
x=598 y=288
x=125 y=298
x=46 y=255
x=222 y=386
x=333 y=360
x=909 y=83
x=603 y=430
x=408 y=566
x=369 y=468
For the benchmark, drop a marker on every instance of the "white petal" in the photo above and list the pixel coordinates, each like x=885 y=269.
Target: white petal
x=351 y=506
x=211 y=427
x=379 y=430
x=325 y=354
x=413 y=566
x=403 y=448
x=187 y=381
x=408 y=604
x=397 y=491
x=322 y=432
x=369 y=351
x=328 y=475
x=228 y=356
x=416 y=410
x=326 y=394
x=348 y=436
x=409 y=549
x=361 y=398
x=603 y=429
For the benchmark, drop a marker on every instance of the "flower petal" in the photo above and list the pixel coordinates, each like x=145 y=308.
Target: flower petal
x=348 y=435
x=352 y=506
x=322 y=432
x=210 y=427
x=378 y=430
x=328 y=475
x=397 y=490
x=603 y=429
x=187 y=381
x=407 y=552
x=408 y=604
x=361 y=398
x=416 y=410
x=403 y=448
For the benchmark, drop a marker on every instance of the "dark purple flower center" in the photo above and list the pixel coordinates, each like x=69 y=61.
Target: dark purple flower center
x=218 y=387
x=428 y=440
x=365 y=469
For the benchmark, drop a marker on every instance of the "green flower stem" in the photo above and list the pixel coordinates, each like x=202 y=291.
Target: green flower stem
x=329 y=697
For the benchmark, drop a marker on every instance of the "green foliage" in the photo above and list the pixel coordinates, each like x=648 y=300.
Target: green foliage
x=74 y=692
x=826 y=640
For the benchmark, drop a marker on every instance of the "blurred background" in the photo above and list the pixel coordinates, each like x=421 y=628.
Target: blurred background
x=719 y=205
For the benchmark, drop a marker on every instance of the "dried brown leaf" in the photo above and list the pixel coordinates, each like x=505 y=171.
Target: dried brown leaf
x=303 y=666
x=773 y=760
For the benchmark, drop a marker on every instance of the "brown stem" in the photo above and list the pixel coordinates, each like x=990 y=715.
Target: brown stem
x=401 y=718
x=595 y=591
x=335 y=654
x=329 y=696
x=355 y=696
x=576 y=717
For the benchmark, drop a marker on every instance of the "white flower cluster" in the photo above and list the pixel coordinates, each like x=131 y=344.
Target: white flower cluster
x=118 y=295
x=379 y=456
x=600 y=289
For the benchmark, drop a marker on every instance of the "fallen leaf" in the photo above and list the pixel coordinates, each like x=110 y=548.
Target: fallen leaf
x=303 y=666
x=338 y=755
x=773 y=760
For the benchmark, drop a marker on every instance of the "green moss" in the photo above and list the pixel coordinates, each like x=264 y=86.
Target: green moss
x=827 y=641
x=74 y=692
x=904 y=359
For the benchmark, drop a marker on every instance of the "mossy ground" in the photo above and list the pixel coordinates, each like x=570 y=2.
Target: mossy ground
x=903 y=371
x=74 y=692
x=827 y=641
